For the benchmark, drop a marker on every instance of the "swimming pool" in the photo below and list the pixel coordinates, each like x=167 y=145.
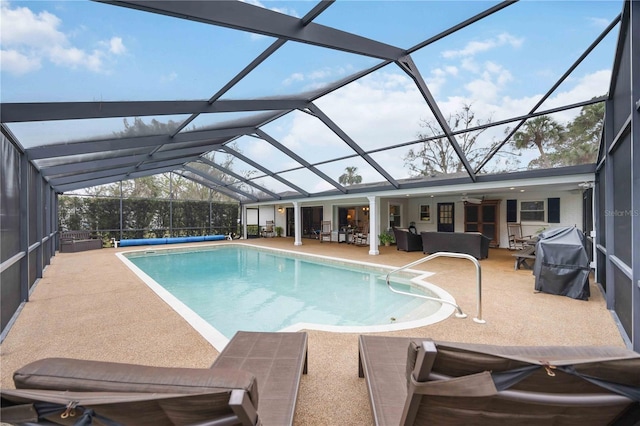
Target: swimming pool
x=224 y=288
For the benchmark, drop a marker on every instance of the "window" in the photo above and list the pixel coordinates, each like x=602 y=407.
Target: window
x=425 y=213
x=394 y=215
x=532 y=211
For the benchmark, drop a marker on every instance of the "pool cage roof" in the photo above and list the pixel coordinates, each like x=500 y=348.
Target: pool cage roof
x=307 y=98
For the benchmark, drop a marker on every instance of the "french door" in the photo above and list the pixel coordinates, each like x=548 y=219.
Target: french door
x=446 y=216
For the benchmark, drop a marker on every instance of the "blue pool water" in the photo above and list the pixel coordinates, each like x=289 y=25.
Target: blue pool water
x=242 y=288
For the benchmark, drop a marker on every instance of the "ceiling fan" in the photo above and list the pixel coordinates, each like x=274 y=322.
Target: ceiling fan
x=471 y=200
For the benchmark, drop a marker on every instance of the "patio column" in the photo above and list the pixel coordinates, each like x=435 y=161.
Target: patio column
x=373 y=226
x=297 y=225
x=244 y=222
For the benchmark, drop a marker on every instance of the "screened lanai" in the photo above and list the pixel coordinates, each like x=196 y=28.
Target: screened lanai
x=293 y=104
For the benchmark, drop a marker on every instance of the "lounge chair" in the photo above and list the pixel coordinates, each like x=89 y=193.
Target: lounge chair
x=420 y=382
x=254 y=367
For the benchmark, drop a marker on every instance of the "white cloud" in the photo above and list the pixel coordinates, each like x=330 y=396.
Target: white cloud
x=73 y=57
x=321 y=74
x=599 y=22
x=492 y=79
x=116 y=46
x=439 y=76
x=168 y=77
x=29 y=38
x=469 y=64
x=478 y=46
x=451 y=70
x=595 y=84
x=21 y=27
x=482 y=89
x=297 y=76
x=17 y=63
x=316 y=78
x=381 y=109
x=283 y=10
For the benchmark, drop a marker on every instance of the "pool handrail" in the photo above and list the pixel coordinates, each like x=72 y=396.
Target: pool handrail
x=459 y=314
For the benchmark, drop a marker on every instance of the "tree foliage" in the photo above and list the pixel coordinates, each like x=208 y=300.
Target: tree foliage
x=140 y=128
x=435 y=154
x=168 y=185
x=350 y=176
x=558 y=145
x=540 y=132
x=582 y=138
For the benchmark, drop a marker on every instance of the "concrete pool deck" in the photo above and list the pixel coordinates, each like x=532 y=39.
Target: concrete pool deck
x=89 y=305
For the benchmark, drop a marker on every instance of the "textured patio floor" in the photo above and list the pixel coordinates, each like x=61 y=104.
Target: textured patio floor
x=90 y=305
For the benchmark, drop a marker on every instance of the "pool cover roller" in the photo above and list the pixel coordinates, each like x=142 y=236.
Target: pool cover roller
x=171 y=240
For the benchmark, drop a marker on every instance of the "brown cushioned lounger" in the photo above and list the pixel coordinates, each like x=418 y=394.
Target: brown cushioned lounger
x=419 y=382
x=278 y=361
x=254 y=368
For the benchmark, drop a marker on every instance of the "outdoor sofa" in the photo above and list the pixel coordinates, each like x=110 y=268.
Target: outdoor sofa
x=417 y=381
x=254 y=381
x=471 y=243
x=406 y=240
x=75 y=241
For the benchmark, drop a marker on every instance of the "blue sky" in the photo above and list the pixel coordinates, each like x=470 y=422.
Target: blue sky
x=86 y=51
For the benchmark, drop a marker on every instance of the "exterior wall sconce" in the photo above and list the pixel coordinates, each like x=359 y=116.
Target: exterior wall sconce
x=280 y=209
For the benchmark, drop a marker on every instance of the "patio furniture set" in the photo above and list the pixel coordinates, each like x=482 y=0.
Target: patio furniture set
x=472 y=243
x=348 y=235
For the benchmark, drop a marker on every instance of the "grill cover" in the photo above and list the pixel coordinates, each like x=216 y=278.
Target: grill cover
x=562 y=264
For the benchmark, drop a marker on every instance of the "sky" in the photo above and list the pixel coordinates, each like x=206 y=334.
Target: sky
x=86 y=51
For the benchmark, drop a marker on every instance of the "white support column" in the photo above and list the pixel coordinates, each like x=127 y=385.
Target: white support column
x=373 y=226
x=244 y=222
x=297 y=224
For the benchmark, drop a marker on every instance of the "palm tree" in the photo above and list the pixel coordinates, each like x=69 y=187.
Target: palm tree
x=350 y=176
x=582 y=138
x=539 y=132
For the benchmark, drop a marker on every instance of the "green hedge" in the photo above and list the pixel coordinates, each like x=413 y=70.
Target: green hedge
x=146 y=218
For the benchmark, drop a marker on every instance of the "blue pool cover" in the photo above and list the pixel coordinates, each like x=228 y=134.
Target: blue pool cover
x=172 y=240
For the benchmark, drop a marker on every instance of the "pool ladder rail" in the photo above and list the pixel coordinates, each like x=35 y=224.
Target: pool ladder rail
x=459 y=314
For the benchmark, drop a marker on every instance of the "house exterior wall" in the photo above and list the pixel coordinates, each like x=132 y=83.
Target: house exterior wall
x=570 y=211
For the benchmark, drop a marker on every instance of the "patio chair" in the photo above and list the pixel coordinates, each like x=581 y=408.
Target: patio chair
x=253 y=363
x=406 y=240
x=268 y=230
x=361 y=238
x=325 y=231
x=517 y=241
x=424 y=382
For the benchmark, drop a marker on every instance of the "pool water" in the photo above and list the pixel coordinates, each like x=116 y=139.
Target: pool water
x=236 y=287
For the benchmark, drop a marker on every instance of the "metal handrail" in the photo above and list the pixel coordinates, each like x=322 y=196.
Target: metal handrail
x=459 y=314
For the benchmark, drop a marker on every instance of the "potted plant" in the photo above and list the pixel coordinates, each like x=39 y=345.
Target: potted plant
x=278 y=231
x=385 y=238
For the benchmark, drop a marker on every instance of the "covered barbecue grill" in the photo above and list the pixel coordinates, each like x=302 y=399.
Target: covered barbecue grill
x=562 y=264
